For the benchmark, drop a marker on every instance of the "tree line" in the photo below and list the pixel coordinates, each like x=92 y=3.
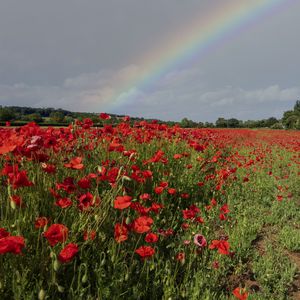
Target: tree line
x=289 y=120
x=51 y=116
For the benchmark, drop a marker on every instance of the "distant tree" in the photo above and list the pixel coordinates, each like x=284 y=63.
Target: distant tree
x=271 y=121
x=186 y=123
x=292 y=121
x=68 y=119
x=35 y=117
x=57 y=117
x=221 y=123
x=233 y=123
x=209 y=125
x=6 y=114
x=291 y=118
x=241 y=124
x=277 y=125
x=297 y=106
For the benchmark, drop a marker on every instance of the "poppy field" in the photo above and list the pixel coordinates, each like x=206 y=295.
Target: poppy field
x=147 y=211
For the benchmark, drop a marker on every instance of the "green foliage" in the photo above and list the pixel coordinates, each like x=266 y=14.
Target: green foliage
x=277 y=125
x=289 y=237
x=221 y=123
x=186 y=123
x=291 y=118
x=6 y=114
x=274 y=271
x=57 y=117
x=35 y=117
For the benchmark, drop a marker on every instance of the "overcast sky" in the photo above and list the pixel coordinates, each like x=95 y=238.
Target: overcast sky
x=75 y=54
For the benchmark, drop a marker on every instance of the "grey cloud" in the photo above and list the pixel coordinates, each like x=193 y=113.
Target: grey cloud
x=86 y=55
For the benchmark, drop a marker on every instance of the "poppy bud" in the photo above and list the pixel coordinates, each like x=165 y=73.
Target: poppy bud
x=13 y=204
x=102 y=262
x=84 y=278
x=56 y=265
x=60 y=288
x=18 y=276
x=42 y=294
x=126 y=178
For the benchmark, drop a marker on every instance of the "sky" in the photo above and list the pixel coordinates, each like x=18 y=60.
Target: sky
x=82 y=55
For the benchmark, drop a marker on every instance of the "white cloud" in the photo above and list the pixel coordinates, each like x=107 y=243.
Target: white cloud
x=176 y=95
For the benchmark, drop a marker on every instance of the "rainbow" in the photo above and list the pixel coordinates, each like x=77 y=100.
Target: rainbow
x=197 y=39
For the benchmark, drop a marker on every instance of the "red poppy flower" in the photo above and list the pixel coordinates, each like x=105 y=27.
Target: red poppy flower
x=216 y=264
x=84 y=183
x=180 y=257
x=199 y=220
x=213 y=202
x=158 y=190
x=126 y=119
x=12 y=244
x=222 y=217
x=104 y=116
x=190 y=213
x=50 y=169
x=17 y=200
x=155 y=207
x=224 y=209
x=121 y=233
x=68 y=253
x=240 y=293
x=171 y=191
x=142 y=224
x=221 y=245
x=122 y=202
x=19 y=179
x=164 y=184
x=7 y=147
x=115 y=147
x=89 y=235
x=41 y=222
x=87 y=200
x=56 y=233
x=145 y=251
x=185 y=195
x=145 y=197
x=75 y=164
x=185 y=226
x=87 y=123
x=151 y=237
x=199 y=240
x=67 y=185
x=63 y=202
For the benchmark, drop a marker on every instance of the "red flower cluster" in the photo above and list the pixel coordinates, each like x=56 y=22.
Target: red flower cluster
x=145 y=251
x=56 y=233
x=68 y=253
x=122 y=202
x=221 y=245
x=10 y=244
